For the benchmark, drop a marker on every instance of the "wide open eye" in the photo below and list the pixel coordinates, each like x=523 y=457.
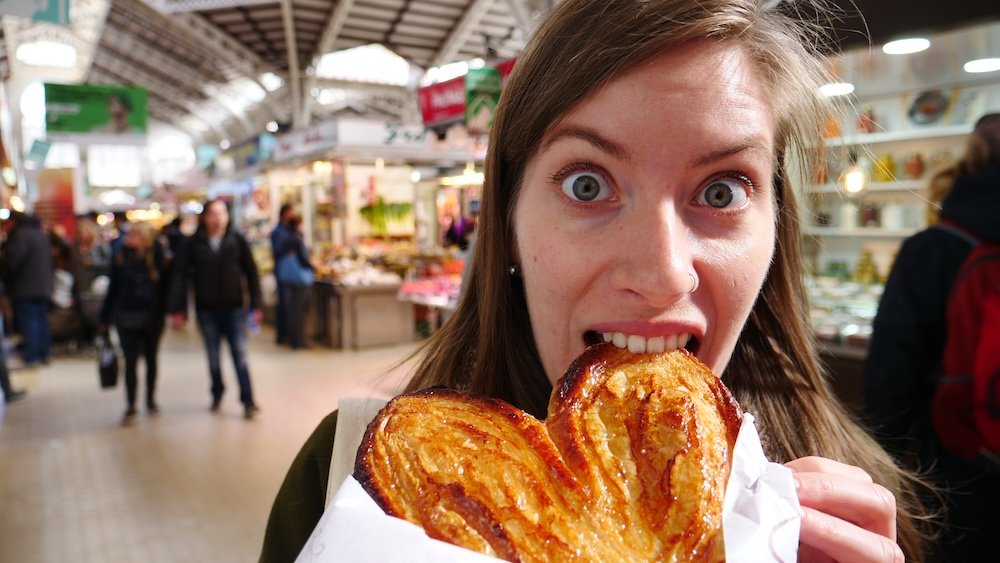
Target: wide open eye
x=726 y=192
x=586 y=187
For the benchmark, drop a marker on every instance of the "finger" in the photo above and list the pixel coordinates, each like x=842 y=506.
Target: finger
x=844 y=541
x=813 y=464
x=867 y=505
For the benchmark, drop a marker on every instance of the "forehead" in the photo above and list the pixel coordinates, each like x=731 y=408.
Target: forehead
x=702 y=86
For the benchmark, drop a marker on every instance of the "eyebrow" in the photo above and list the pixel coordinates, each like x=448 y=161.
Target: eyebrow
x=749 y=143
x=601 y=143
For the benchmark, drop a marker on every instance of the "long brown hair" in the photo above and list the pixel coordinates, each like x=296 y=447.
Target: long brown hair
x=981 y=152
x=488 y=346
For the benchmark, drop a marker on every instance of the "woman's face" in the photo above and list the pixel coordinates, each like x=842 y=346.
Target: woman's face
x=661 y=178
x=134 y=240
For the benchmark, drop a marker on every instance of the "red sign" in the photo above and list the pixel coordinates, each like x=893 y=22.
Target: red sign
x=505 y=68
x=443 y=102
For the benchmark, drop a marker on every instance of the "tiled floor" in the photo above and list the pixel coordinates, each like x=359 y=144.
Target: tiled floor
x=183 y=486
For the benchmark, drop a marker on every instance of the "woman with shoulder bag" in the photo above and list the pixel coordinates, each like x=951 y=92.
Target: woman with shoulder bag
x=135 y=306
x=298 y=283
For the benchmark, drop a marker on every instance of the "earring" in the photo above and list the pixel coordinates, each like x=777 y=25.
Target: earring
x=694 y=282
x=514 y=270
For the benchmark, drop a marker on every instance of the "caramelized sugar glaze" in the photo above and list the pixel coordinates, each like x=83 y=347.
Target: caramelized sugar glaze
x=630 y=465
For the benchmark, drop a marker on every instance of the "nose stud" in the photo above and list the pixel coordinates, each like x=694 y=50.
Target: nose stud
x=694 y=282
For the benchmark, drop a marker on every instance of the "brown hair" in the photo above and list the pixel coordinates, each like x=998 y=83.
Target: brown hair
x=488 y=346
x=148 y=233
x=982 y=150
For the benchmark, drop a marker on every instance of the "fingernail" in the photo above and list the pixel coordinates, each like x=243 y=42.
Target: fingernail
x=798 y=484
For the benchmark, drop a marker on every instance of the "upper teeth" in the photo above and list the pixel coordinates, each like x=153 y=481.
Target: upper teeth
x=641 y=345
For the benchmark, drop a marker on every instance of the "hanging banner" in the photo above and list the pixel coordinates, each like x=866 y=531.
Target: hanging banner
x=54 y=205
x=442 y=103
x=52 y=11
x=78 y=110
x=482 y=94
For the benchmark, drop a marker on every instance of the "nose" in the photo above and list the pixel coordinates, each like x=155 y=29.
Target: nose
x=654 y=256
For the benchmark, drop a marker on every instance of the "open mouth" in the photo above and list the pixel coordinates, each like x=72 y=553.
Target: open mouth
x=642 y=345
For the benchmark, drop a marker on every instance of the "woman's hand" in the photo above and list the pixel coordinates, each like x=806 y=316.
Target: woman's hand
x=845 y=515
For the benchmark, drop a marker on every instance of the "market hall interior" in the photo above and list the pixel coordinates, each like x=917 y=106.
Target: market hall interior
x=182 y=485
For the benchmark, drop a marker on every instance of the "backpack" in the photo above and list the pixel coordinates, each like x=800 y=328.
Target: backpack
x=965 y=409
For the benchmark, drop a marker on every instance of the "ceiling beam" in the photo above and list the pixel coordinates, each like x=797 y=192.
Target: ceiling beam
x=129 y=71
x=326 y=41
x=197 y=82
x=227 y=49
x=291 y=46
x=460 y=34
x=520 y=14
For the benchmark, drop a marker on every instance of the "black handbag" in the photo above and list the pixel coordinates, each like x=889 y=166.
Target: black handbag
x=107 y=363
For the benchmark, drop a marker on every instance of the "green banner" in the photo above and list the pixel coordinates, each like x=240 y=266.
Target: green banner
x=482 y=93
x=95 y=109
x=52 y=11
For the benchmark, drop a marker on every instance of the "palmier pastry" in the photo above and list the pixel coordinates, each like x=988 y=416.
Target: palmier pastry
x=630 y=465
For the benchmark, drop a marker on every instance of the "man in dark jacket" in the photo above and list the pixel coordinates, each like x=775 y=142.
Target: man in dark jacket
x=218 y=262
x=28 y=274
x=908 y=340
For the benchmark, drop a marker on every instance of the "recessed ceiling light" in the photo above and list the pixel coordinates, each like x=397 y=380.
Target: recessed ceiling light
x=906 y=46
x=47 y=53
x=836 y=89
x=982 y=65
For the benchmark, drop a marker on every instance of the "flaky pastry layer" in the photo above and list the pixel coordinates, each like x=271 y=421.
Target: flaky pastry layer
x=630 y=465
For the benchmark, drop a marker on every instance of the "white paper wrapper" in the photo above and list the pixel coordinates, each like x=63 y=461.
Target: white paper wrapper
x=760 y=519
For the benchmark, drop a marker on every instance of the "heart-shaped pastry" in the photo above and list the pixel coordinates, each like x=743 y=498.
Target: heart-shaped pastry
x=630 y=465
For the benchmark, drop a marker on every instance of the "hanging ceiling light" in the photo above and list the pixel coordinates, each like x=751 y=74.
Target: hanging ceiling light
x=47 y=53
x=836 y=89
x=982 y=65
x=906 y=46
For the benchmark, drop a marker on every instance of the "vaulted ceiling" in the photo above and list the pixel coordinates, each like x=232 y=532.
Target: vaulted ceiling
x=196 y=58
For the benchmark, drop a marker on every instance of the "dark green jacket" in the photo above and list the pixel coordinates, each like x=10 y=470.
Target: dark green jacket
x=302 y=497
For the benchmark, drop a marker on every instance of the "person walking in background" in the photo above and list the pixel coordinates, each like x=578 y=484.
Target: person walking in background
x=9 y=393
x=280 y=238
x=93 y=263
x=219 y=264
x=908 y=340
x=27 y=271
x=296 y=294
x=175 y=238
x=136 y=306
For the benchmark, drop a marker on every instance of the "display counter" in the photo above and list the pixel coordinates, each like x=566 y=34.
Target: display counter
x=841 y=313
x=353 y=317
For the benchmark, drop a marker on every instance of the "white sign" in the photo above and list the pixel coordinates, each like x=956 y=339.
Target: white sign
x=368 y=133
x=306 y=142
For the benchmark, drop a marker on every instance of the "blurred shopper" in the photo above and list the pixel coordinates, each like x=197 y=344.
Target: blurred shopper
x=26 y=268
x=93 y=252
x=9 y=393
x=296 y=294
x=135 y=305
x=121 y=227
x=219 y=264
x=281 y=237
x=93 y=270
x=175 y=237
x=904 y=361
